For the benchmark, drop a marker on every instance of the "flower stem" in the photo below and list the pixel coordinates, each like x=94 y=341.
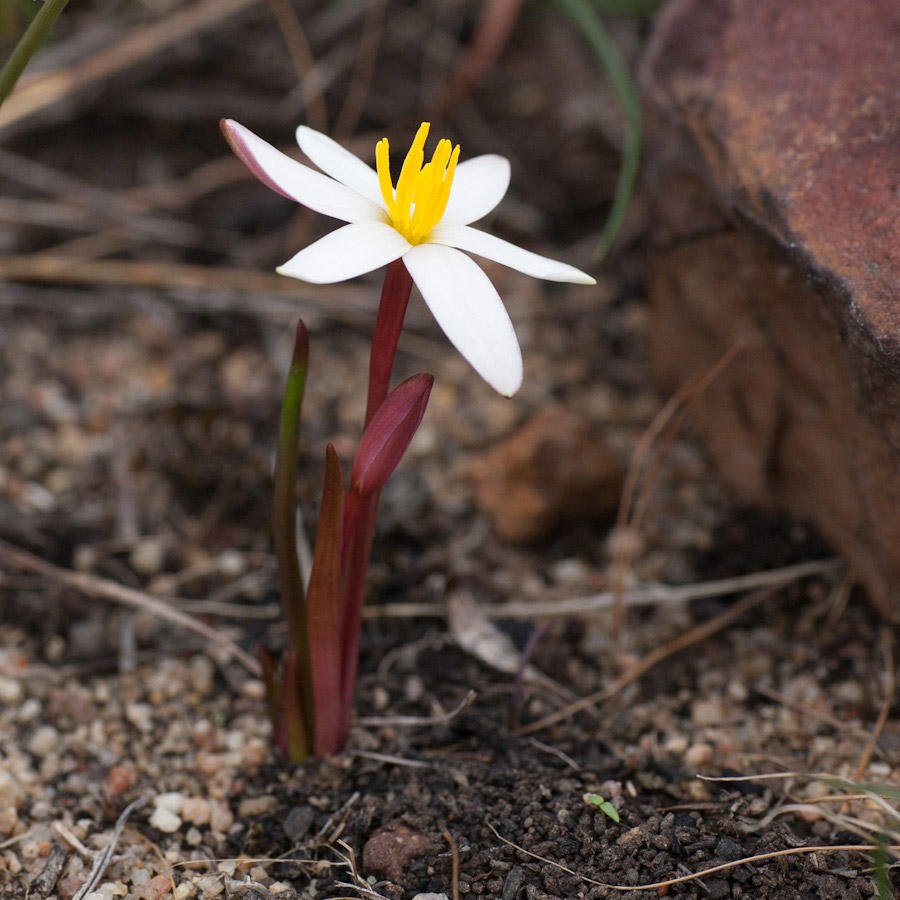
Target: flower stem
x=359 y=512
x=28 y=43
x=391 y=312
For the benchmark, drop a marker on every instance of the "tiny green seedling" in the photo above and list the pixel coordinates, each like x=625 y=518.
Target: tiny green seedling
x=603 y=805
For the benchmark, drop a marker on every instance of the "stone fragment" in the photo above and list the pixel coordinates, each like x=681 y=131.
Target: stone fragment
x=196 y=810
x=221 y=817
x=554 y=471
x=44 y=740
x=164 y=820
x=256 y=806
x=156 y=888
x=11 y=691
x=772 y=169
x=389 y=851
x=119 y=779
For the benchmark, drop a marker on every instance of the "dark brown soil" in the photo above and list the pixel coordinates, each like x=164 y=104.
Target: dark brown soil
x=136 y=437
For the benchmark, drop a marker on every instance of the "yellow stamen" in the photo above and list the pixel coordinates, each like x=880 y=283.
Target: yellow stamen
x=422 y=191
x=383 y=167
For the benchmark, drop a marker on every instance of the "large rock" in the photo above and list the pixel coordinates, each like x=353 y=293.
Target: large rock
x=774 y=169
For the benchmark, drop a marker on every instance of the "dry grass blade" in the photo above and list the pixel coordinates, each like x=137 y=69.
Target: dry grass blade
x=669 y=882
x=454 y=861
x=647 y=459
x=304 y=63
x=103 y=859
x=646 y=596
x=416 y=721
x=214 y=289
x=93 y=586
x=363 y=70
x=142 y=44
x=694 y=635
x=497 y=20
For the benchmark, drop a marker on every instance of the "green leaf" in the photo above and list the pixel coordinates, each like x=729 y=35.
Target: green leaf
x=883 y=888
x=284 y=520
x=585 y=17
x=29 y=42
x=603 y=805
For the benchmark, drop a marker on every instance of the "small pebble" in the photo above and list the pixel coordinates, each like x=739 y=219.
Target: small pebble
x=171 y=802
x=256 y=806
x=156 y=888
x=253 y=689
x=140 y=715
x=119 y=779
x=147 y=556
x=44 y=739
x=10 y=690
x=195 y=810
x=165 y=821
x=699 y=755
x=707 y=712
x=221 y=818
x=9 y=818
x=211 y=885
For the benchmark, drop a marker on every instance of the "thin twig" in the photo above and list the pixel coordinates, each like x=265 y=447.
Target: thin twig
x=392 y=760
x=94 y=586
x=648 y=457
x=102 y=859
x=66 y=834
x=454 y=861
x=491 y=35
x=304 y=63
x=693 y=636
x=416 y=721
x=363 y=70
x=593 y=603
x=657 y=885
x=142 y=44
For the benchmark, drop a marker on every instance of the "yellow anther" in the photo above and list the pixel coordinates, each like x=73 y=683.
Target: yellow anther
x=446 y=184
x=422 y=192
x=406 y=183
x=383 y=167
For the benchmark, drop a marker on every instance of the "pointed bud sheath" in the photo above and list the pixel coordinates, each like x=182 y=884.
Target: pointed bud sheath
x=388 y=435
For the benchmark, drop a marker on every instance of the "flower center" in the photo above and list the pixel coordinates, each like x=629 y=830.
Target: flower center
x=422 y=191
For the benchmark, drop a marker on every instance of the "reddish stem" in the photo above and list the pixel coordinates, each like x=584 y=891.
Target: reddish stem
x=359 y=530
x=388 y=324
x=359 y=512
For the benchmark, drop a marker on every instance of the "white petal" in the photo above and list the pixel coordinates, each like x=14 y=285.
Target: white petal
x=339 y=163
x=483 y=244
x=346 y=253
x=470 y=311
x=298 y=182
x=478 y=186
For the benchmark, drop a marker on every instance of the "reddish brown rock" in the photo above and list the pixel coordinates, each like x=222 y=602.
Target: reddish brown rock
x=553 y=471
x=389 y=851
x=774 y=168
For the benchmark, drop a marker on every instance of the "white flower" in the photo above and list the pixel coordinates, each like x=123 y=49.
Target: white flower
x=424 y=220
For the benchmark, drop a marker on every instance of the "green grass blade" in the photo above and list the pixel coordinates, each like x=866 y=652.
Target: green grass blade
x=586 y=19
x=28 y=43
